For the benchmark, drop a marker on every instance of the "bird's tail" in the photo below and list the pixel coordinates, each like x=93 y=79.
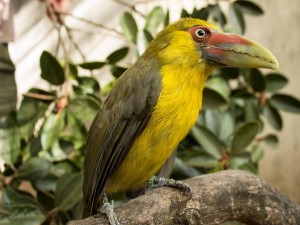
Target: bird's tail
x=88 y=209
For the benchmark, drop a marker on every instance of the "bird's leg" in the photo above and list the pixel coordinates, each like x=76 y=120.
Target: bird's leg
x=108 y=209
x=155 y=182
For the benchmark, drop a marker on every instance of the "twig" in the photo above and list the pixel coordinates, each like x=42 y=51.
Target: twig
x=132 y=7
x=58 y=42
x=91 y=32
x=69 y=33
x=39 y=96
x=94 y=23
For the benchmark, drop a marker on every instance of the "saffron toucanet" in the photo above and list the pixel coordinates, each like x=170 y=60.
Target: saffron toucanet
x=155 y=102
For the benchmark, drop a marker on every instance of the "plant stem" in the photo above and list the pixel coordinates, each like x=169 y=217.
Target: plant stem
x=132 y=7
x=94 y=23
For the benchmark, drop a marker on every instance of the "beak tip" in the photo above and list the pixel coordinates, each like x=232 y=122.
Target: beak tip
x=274 y=65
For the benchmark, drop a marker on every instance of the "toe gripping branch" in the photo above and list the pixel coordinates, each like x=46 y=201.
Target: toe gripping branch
x=155 y=182
x=108 y=209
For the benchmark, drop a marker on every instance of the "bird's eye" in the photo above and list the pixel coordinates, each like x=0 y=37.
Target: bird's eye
x=200 y=33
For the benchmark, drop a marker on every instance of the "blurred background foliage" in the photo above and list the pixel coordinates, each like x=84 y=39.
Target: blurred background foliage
x=42 y=144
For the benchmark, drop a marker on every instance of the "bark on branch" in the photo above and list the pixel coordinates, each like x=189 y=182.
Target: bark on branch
x=216 y=198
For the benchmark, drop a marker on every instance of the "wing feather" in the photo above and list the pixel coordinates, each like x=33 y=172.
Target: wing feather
x=123 y=117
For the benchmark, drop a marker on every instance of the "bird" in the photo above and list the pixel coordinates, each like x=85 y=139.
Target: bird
x=155 y=102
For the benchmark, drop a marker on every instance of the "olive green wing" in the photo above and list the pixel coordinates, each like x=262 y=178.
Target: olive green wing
x=123 y=117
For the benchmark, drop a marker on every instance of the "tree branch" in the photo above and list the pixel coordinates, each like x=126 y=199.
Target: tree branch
x=216 y=198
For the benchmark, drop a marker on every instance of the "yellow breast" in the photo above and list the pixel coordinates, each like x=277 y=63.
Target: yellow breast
x=174 y=114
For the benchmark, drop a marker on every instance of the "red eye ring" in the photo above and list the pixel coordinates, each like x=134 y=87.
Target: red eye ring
x=200 y=33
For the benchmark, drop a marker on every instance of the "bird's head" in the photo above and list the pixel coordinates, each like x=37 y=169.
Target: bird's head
x=196 y=41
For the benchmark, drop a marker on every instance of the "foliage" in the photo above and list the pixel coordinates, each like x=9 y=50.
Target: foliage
x=43 y=145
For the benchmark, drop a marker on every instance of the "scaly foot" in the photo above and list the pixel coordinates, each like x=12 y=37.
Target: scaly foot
x=108 y=209
x=155 y=182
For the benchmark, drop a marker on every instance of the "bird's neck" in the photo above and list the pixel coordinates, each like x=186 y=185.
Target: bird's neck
x=184 y=79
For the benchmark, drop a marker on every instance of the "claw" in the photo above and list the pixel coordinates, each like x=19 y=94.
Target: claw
x=108 y=209
x=155 y=182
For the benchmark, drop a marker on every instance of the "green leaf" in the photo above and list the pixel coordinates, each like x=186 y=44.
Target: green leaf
x=68 y=191
x=257 y=153
x=51 y=69
x=22 y=214
x=74 y=132
x=230 y=73
x=237 y=19
x=250 y=167
x=19 y=208
x=202 y=14
x=218 y=15
x=129 y=27
x=51 y=129
x=105 y=90
x=244 y=135
x=275 y=82
x=183 y=169
x=92 y=65
x=208 y=140
x=144 y=37
x=47 y=183
x=285 y=102
x=273 y=117
x=271 y=140
x=86 y=85
x=56 y=153
x=46 y=199
x=73 y=71
x=63 y=167
x=35 y=146
x=184 y=14
x=240 y=93
x=154 y=19
x=117 y=71
x=10 y=144
x=212 y=99
x=256 y=80
x=212 y=120
x=30 y=111
x=251 y=109
x=249 y=7
x=242 y=162
x=167 y=19
x=117 y=55
x=236 y=162
x=202 y=161
x=220 y=85
x=227 y=126
x=14 y=197
x=84 y=108
x=33 y=169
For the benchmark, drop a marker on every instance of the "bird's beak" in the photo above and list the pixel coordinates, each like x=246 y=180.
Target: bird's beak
x=236 y=51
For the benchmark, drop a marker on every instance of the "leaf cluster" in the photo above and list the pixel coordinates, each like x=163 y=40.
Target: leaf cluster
x=43 y=144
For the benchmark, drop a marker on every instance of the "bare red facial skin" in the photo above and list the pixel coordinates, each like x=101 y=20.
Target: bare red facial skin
x=216 y=38
x=220 y=38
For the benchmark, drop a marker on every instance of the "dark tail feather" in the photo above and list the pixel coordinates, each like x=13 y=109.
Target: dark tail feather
x=88 y=210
